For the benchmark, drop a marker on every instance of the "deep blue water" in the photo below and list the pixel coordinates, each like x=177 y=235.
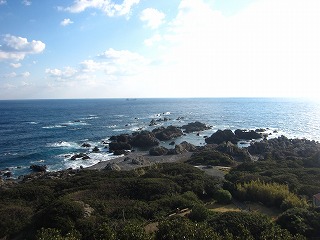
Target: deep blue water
x=50 y=131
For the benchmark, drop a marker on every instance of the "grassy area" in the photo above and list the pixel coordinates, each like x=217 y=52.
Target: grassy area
x=269 y=211
x=222 y=208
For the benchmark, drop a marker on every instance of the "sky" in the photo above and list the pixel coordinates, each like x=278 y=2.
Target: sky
x=159 y=49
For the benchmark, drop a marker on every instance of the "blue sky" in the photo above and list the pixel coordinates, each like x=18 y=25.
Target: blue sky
x=152 y=48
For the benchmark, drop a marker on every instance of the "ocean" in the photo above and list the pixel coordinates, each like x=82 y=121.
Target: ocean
x=49 y=132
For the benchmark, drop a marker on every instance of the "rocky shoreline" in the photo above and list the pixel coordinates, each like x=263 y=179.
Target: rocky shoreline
x=143 y=148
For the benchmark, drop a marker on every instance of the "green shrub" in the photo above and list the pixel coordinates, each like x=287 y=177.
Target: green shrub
x=181 y=228
x=54 y=234
x=223 y=196
x=199 y=213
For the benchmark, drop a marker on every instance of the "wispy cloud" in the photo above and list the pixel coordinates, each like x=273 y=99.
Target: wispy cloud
x=153 y=17
x=16 y=75
x=66 y=22
x=66 y=73
x=16 y=48
x=26 y=2
x=107 y=6
x=15 y=65
x=112 y=64
x=2 y=2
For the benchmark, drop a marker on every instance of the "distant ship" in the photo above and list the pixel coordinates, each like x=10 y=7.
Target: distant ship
x=131 y=99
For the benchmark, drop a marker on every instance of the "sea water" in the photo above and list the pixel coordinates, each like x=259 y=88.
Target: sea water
x=49 y=132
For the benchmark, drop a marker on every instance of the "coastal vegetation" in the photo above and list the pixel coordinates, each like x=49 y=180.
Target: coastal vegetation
x=174 y=200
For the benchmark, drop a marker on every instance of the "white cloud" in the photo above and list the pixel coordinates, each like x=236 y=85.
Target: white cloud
x=26 y=74
x=271 y=48
x=16 y=48
x=112 y=65
x=66 y=73
x=2 y=2
x=123 y=62
x=16 y=75
x=15 y=65
x=26 y=2
x=153 y=17
x=107 y=6
x=66 y=22
x=10 y=75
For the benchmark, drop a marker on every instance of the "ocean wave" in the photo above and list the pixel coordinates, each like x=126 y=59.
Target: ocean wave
x=9 y=154
x=63 y=144
x=136 y=129
x=54 y=126
x=112 y=126
x=32 y=123
x=75 y=123
x=119 y=130
x=90 y=117
x=37 y=161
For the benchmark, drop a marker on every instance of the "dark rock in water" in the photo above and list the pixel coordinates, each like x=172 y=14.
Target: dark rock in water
x=164 y=134
x=195 y=127
x=247 y=135
x=119 y=152
x=144 y=139
x=121 y=138
x=260 y=130
x=86 y=145
x=153 y=123
x=83 y=156
x=172 y=143
x=95 y=150
x=113 y=146
x=158 y=151
x=7 y=174
x=222 y=136
x=180 y=118
x=39 y=168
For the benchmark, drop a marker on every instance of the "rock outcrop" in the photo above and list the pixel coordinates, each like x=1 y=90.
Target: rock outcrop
x=144 y=139
x=158 y=151
x=195 y=127
x=221 y=136
x=82 y=156
x=247 y=135
x=164 y=134
x=39 y=168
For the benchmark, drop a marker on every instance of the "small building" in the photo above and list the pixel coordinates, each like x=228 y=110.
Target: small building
x=316 y=200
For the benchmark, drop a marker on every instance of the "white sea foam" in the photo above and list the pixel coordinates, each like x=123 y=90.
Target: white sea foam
x=33 y=123
x=90 y=117
x=54 y=126
x=112 y=126
x=75 y=123
x=119 y=130
x=63 y=144
x=94 y=159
